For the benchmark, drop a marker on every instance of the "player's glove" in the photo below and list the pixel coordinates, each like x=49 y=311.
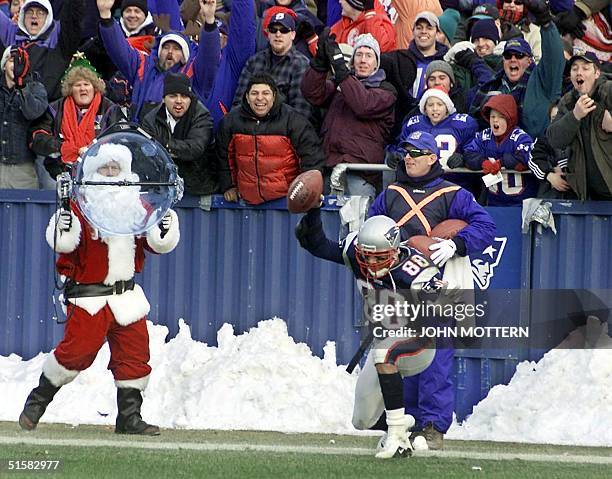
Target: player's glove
x=308 y=225
x=491 y=167
x=164 y=224
x=444 y=250
x=64 y=222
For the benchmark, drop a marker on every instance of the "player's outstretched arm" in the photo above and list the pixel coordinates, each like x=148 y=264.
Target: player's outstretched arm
x=310 y=234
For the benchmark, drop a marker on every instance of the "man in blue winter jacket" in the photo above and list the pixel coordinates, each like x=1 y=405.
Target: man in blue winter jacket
x=418 y=201
x=173 y=53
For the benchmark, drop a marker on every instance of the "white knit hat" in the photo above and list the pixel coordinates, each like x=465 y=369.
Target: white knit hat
x=367 y=40
x=439 y=93
x=108 y=152
x=176 y=38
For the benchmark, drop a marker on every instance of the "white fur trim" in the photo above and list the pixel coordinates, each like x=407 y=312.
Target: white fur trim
x=121 y=253
x=108 y=152
x=127 y=307
x=91 y=304
x=140 y=383
x=441 y=95
x=168 y=242
x=176 y=38
x=48 y=21
x=130 y=306
x=63 y=241
x=57 y=374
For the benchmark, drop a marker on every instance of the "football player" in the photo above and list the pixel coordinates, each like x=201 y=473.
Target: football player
x=381 y=265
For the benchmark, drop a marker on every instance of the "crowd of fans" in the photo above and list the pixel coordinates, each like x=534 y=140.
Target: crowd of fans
x=246 y=94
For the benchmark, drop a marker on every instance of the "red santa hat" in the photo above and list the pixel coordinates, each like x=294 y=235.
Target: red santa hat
x=439 y=93
x=108 y=152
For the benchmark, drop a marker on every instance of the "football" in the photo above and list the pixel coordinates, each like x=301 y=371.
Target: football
x=447 y=229
x=305 y=191
x=421 y=243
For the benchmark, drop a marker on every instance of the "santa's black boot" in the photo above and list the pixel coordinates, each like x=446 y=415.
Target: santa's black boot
x=129 y=421
x=37 y=403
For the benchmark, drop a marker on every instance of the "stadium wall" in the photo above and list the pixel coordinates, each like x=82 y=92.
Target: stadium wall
x=241 y=265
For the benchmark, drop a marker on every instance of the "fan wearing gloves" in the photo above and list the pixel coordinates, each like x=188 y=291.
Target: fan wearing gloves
x=23 y=101
x=502 y=145
x=102 y=300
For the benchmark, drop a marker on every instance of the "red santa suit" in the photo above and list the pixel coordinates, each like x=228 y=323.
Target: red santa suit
x=86 y=258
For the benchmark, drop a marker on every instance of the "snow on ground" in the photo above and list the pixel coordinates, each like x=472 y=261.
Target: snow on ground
x=260 y=380
x=264 y=380
x=565 y=398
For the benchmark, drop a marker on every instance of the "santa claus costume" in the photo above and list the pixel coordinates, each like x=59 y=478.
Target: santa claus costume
x=103 y=302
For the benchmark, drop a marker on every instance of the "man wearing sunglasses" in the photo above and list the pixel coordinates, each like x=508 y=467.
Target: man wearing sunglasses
x=535 y=85
x=419 y=200
x=282 y=61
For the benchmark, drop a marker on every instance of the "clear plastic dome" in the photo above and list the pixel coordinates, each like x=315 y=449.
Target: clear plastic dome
x=125 y=183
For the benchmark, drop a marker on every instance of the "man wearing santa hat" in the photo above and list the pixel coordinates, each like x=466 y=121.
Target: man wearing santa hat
x=103 y=301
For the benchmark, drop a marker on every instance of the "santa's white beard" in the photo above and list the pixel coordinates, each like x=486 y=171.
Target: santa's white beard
x=114 y=209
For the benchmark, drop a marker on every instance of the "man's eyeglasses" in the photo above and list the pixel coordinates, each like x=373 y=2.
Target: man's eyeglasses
x=510 y=55
x=416 y=153
x=34 y=12
x=518 y=3
x=275 y=30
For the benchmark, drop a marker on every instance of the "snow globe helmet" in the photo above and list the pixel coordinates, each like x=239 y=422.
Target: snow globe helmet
x=125 y=183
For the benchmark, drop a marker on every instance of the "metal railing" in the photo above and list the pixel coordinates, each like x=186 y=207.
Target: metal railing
x=338 y=175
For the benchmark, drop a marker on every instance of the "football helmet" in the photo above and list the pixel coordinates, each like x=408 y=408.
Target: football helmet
x=377 y=246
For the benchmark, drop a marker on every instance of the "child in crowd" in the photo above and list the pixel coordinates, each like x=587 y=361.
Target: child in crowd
x=452 y=131
x=503 y=145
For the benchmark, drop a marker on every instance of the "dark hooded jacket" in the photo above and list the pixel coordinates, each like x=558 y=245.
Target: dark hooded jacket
x=590 y=162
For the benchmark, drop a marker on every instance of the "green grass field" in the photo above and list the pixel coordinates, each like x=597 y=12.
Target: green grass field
x=96 y=452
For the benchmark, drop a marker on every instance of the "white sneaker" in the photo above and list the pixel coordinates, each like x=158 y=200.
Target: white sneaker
x=393 y=446
x=409 y=424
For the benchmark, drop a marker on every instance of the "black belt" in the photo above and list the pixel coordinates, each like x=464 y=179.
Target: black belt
x=76 y=290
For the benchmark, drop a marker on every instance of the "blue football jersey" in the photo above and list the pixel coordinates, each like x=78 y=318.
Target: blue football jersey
x=512 y=152
x=452 y=134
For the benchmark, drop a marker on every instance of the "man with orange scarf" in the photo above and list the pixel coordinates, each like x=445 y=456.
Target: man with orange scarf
x=73 y=121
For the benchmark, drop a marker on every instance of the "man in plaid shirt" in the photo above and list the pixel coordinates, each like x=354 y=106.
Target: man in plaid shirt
x=280 y=60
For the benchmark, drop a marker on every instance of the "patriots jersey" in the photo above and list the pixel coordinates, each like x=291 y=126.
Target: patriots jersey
x=514 y=150
x=452 y=134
